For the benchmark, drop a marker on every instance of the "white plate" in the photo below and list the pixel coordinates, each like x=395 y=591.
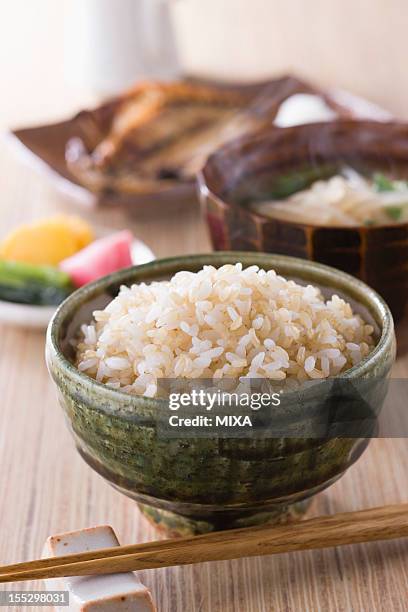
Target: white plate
x=38 y=317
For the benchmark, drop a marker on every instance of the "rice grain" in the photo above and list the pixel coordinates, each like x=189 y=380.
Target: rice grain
x=228 y=322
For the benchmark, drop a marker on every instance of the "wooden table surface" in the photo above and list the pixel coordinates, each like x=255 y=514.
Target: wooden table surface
x=46 y=488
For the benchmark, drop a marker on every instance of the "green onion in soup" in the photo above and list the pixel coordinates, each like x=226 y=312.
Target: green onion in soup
x=345 y=199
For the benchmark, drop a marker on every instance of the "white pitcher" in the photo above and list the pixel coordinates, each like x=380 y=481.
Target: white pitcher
x=110 y=44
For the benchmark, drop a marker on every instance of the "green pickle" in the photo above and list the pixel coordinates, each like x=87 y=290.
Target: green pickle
x=30 y=284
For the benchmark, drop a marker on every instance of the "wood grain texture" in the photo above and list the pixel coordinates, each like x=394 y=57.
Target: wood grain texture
x=46 y=488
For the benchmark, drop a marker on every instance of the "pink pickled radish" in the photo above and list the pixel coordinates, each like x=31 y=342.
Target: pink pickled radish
x=99 y=258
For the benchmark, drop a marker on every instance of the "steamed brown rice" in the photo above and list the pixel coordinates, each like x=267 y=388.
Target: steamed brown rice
x=228 y=322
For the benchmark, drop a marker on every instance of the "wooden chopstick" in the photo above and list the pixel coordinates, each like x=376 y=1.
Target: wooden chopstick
x=382 y=523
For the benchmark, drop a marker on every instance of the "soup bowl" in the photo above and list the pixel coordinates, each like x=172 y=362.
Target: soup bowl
x=192 y=484
x=278 y=162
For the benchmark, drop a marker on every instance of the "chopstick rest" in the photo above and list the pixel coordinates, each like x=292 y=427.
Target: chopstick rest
x=109 y=592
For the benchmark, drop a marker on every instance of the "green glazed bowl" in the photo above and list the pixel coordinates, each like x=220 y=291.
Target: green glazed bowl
x=192 y=485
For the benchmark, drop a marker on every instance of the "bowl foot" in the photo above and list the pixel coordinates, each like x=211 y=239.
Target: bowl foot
x=177 y=525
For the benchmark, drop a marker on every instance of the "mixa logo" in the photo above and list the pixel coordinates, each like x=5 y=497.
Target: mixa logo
x=233 y=421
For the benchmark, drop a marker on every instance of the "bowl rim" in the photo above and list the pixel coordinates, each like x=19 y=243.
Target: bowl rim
x=205 y=188
x=218 y=258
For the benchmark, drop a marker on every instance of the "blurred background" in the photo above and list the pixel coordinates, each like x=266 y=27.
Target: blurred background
x=59 y=56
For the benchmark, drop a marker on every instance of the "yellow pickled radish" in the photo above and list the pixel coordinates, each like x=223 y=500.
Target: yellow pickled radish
x=81 y=229
x=48 y=241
